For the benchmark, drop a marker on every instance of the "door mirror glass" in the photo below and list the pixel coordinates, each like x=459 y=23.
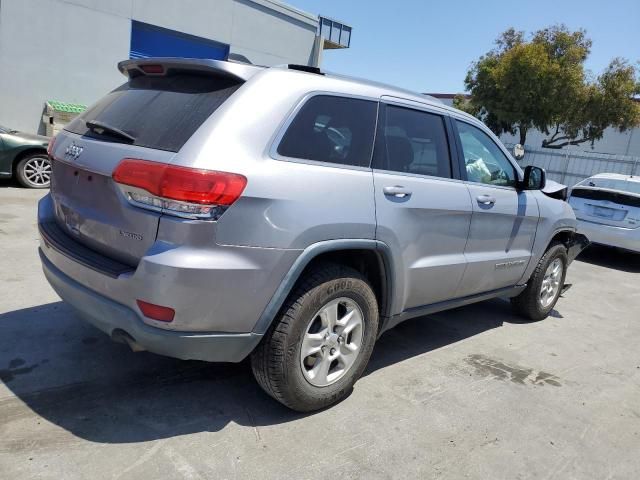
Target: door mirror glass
x=535 y=178
x=518 y=151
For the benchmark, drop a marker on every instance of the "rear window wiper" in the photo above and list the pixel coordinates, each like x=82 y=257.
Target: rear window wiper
x=102 y=128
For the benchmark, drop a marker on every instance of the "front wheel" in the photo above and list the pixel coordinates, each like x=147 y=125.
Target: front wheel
x=545 y=285
x=34 y=171
x=321 y=342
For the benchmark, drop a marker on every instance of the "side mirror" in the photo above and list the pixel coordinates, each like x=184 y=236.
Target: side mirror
x=535 y=178
x=518 y=151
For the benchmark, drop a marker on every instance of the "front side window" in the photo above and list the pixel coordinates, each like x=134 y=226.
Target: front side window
x=484 y=161
x=412 y=141
x=332 y=129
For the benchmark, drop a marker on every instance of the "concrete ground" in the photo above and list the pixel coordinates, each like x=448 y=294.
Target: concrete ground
x=472 y=392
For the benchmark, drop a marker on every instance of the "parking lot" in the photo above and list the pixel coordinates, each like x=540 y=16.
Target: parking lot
x=474 y=392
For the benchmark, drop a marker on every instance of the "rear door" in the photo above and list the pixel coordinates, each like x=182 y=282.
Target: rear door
x=504 y=220
x=150 y=118
x=423 y=214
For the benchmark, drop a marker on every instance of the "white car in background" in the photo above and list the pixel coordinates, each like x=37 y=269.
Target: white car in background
x=607 y=207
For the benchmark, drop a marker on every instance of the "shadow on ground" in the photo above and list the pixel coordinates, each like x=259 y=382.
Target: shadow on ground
x=75 y=377
x=611 y=258
x=8 y=182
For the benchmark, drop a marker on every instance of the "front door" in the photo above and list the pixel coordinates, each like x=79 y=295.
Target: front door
x=504 y=220
x=422 y=213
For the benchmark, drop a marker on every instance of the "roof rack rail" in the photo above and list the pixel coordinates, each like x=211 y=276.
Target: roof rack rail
x=305 y=68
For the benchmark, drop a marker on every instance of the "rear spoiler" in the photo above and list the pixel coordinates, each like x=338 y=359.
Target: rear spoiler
x=163 y=66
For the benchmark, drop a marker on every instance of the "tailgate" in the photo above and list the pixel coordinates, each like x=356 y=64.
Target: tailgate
x=150 y=117
x=90 y=207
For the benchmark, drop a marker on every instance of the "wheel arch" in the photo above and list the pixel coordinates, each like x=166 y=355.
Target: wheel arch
x=370 y=257
x=25 y=153
x=573 y=241
x=562 y=236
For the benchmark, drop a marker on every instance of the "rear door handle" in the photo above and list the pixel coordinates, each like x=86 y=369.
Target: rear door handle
x=397 y=191
x=485 y=199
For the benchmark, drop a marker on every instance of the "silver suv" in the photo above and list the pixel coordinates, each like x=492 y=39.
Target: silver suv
x=214 y=211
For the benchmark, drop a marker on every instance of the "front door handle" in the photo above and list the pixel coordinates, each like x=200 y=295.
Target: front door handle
x=397 y=191
x=485 y=199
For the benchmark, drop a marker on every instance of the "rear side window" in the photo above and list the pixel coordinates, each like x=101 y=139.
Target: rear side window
x=332 y=129
x=160 y=112
x=412 y=141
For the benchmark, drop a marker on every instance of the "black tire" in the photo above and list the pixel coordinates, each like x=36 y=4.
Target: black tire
x=528 y=303
x=276 y=362
x=28 y=161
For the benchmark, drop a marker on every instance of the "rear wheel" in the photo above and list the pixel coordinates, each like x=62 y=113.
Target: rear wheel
x=34 y=171
x=321 y=342
x=545 y=285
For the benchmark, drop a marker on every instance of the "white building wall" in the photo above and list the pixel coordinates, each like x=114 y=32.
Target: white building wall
x=613 y=142
x=67 y=50
x=58 y=50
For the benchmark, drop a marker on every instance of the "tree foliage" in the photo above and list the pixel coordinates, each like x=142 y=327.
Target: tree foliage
x=541 y=83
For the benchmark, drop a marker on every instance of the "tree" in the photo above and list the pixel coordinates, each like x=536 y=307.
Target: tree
x=541 y=83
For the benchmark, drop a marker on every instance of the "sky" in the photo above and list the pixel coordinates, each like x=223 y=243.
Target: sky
x=428 y=46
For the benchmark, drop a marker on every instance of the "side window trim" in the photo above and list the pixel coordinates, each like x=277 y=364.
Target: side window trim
x=462 y=167
x=386 y=102
x=455 y=149
x=281 y=130
x=462 y=163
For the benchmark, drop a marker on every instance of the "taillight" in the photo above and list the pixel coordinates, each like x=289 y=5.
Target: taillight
x=181 y=191
x=52 y=142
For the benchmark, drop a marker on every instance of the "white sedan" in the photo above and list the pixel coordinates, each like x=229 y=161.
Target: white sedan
x=607 y=207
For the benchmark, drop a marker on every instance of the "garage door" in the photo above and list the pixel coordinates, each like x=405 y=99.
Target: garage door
x=152 y=41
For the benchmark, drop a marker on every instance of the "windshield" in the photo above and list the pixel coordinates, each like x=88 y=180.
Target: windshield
x=629 y=186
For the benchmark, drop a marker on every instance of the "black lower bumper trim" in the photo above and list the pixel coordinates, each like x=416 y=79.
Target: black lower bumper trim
x=57 y=239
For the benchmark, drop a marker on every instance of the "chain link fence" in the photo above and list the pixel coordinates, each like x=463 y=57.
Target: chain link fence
x=572 y=166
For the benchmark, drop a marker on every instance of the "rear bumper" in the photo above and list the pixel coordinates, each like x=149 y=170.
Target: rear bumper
x=626 y=238
x=218 y=292
x=121 y=323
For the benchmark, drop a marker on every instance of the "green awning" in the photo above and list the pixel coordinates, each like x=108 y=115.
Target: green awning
x=57 y=106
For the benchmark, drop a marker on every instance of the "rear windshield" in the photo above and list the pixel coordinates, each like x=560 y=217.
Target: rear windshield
x=616 y=197
x=613 y=184
x=156 y=112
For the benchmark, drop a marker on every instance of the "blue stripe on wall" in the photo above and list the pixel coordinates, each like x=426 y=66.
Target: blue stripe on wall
x=152 y=41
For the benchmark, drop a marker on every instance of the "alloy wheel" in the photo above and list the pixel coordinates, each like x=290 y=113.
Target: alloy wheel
x=332 y=342
x=550 y=287
x=37 y=171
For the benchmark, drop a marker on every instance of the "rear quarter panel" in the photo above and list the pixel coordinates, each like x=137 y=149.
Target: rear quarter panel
x=286 y=204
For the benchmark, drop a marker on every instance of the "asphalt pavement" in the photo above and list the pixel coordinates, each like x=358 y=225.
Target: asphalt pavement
x=470 y=393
